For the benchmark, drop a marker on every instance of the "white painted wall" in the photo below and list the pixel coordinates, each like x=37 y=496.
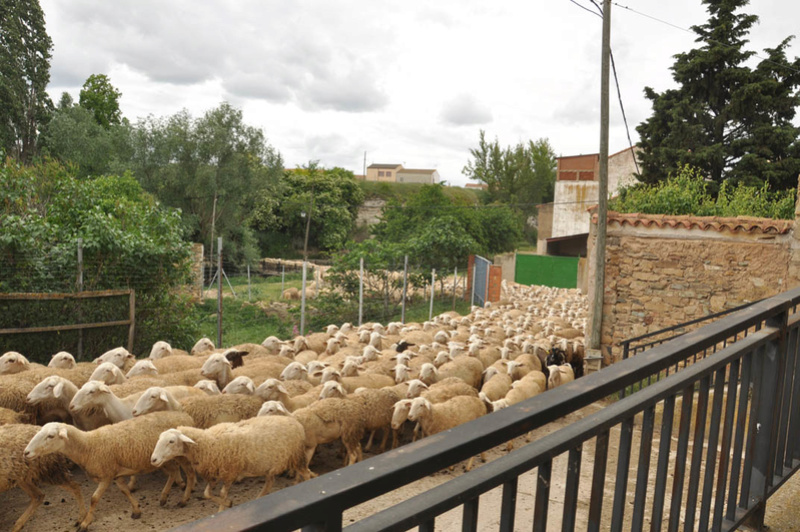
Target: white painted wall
x=571 y=204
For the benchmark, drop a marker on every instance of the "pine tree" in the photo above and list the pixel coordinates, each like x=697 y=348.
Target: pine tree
x=727 y=119
x=24 y=74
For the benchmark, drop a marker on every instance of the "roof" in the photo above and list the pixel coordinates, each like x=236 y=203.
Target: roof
x=738 y=224
x=416 y=171
x=390 y=166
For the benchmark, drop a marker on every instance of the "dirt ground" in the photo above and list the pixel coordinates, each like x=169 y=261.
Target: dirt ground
x=59 y=512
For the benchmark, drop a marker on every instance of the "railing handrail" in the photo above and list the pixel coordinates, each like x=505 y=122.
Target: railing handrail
x=301 y=505
x=695 y=321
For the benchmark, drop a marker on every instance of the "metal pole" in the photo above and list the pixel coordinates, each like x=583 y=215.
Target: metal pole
x=80 y=289
x=405 y=287
x=132 y=316
x=602 y=203
x=361 y=293
x=248 y=283
x=486 y=285
x=455 y=285
x=283 y=277
x=303 y=301
x=433 y=292
x=219 y=292
x=474 y=278
x=229 y=283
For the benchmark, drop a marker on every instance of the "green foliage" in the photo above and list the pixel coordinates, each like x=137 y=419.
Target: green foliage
x=466 y=228
x=73 y=135
x=331 y=196
x=101 y=98
x=687 y=193
x=242 y=322
x=522 y=176
x=214 y=168
x=24 y=74
x=129 y=241
x=729 y=120
x=402 y=191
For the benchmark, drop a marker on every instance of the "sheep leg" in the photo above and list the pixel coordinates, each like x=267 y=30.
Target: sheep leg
x=208 y=493
x=267 y=485
x=191 y=480
x=369 y=442
x=37 y=496
x=470 y=464
x=385 y=438
x=310 y=454
x=75 y=489
x=136 y=513
x=132 y=484
x=101 y=488
x=223 y=500
x=173 y=472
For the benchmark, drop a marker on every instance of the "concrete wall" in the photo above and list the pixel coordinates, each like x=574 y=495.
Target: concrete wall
x=369 y=213
x=410 y=176
x=572 y=201
x=508 y=262
x=621 y=169
x=545 y=227
x=388 y=175
x=662 y=271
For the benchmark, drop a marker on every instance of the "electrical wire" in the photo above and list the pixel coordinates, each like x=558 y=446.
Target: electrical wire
x=583 y=7
x=726 y=45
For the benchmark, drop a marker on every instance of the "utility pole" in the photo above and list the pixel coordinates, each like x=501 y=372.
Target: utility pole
x=308 y=226
x=602 y=204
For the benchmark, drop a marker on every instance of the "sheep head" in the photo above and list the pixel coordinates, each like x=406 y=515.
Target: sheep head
x=154 y=399
x=160 y=349
x=51 y=387
x=50 y=439
x=415 y=388
x=273 y=408
x=108 y=373
x=400 y=413
x=420 y=408
x=13 y=362
x=210 y=387
x=91 y=394
x=294 y=371
x=202 y=345
x=62 y=360
x=171 y=444
x=271 y=390
x=332 y=389
x=142 y=367
x=242 y=385
x=117 y=356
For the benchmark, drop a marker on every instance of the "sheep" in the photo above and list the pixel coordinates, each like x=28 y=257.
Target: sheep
x=13 y=362
x=440 y=392
x=291 y=293
x=119 y=356
x=209 y=410
x=108 y=373
x=208 y=386
x=111 y=452
x=560 y=375
x=142 y=368
x=275 y=390
x=202 y=346
x=371 y=380
x=96 y=395
x=62 y=360
x=232 y=451
x=219 y=368
x=435 y=418
x=16 y=471
x=10 y=417
x=497 y=386
x=58 y=390
x=469 y=369
x=240 y=385
x=328 y=420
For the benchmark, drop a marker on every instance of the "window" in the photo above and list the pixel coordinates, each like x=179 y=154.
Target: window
x=380 y=173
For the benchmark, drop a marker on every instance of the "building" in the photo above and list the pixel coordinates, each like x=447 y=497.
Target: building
x=395 y=173
x=577 y=190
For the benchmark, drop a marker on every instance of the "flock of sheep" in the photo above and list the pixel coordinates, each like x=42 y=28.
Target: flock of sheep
x=210 y=411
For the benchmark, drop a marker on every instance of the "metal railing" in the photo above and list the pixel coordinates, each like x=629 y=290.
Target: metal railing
x=727 y=429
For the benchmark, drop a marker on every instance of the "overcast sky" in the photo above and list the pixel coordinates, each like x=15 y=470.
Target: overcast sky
x=407 y=81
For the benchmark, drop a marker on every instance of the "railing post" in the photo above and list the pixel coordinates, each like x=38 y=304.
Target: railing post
x=132 y=317
x=770 y=389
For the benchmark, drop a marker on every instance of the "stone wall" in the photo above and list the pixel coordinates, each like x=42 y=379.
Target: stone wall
x=369 y=213
x=666 y=270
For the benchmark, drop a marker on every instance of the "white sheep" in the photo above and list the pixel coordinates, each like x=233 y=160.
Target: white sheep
x=208 y=386
x=119 y=356
x=13 y=362
x=142 y=368
x=111 y=452
x=202 y=346
x=62 y=360
x=559 y=375
x=55 y=389
x=240 y=385
x=328 y=420
x=108 y=373
x=230 y=451
x=205 y=410
x=17 y=471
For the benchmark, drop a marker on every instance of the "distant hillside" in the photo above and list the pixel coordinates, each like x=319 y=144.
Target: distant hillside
x=400 y=191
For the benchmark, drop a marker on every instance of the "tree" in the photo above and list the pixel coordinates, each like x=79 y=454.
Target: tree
x=73 y=135
x=725 y=118
x=522 y=176
x=24 y=74
x=213 y=168
x=281 y=218
x=100 y=97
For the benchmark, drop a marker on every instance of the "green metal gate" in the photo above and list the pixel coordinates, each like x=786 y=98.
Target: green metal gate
x=560 y=272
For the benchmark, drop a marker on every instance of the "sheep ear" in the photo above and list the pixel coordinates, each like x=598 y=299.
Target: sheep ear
x=62 y=433
x=250 y=387
x=282 y=389
x=58 y=390
x=163 y=396
x=186 y=439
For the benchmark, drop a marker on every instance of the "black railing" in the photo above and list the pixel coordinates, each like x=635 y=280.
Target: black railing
x=727 y=428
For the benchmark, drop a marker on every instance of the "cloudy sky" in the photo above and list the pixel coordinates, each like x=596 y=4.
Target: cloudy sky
x=405 y=81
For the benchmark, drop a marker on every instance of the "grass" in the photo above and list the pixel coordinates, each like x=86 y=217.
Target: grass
x=242 y=322
x=401 y=191
x=261 y=288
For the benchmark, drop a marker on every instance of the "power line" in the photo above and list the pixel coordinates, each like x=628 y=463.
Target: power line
x=726 y=45
x=584 y=8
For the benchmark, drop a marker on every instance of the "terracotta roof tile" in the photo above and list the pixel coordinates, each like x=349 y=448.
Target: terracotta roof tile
x=738 y=224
